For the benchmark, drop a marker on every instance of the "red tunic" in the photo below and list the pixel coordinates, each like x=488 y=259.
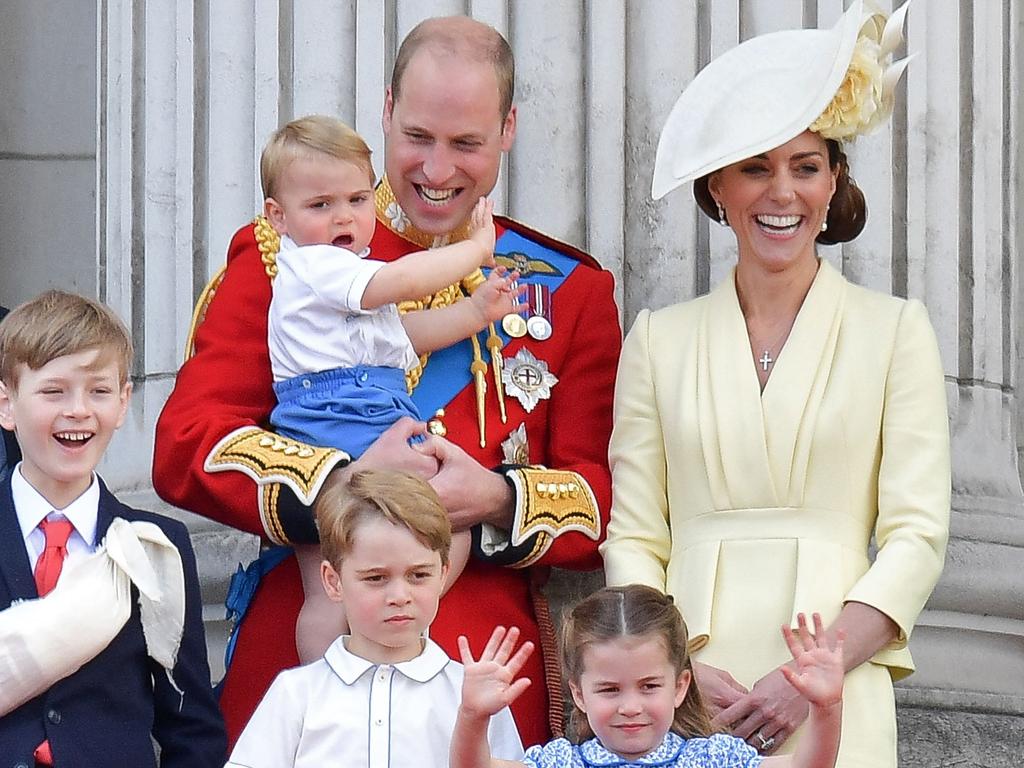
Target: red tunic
x=226 y=385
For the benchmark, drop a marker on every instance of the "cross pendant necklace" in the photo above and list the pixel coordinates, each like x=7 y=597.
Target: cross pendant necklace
x=766 y=358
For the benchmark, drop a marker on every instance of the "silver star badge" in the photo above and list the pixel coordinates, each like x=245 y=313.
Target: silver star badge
x=515 y=449
x=528 y=379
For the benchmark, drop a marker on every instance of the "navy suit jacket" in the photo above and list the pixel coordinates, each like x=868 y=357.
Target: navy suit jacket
x=105 y=713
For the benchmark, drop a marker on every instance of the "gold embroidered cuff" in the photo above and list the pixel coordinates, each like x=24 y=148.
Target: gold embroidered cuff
x=551 y=502
x=271 y=461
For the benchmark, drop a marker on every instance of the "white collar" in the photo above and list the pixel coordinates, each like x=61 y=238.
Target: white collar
x=287 y=244
x=350 y=667
x=31 y=507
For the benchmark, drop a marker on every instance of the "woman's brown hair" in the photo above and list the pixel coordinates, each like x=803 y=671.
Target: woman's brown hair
x=847 y=211
x=631 y=611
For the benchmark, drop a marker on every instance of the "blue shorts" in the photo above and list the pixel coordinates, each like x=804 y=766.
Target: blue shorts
x=344 y=408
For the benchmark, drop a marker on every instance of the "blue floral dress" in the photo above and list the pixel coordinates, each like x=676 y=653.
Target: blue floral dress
x=718 y=751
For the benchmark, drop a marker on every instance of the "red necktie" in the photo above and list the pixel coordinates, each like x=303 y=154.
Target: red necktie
x=48 y=568
x=49 y=564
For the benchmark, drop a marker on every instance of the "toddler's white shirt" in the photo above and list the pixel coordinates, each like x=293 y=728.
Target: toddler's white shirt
x=316 y=321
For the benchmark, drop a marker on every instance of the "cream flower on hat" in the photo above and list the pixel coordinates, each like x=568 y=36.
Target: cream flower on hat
x=767 y=90
x=865 y=99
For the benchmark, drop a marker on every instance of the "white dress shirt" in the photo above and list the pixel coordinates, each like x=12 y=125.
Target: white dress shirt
x=346 y=711
x=32 y=508
x=316 y=321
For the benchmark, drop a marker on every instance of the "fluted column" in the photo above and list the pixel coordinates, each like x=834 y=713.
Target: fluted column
x=961 y=215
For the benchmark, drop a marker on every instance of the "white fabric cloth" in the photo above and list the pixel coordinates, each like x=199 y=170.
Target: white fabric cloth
x=45 y=640
x=316 y=321
x=346 y=711
x=32 y=508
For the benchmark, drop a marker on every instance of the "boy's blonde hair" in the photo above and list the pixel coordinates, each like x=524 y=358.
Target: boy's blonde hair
x=55 y=324
x=397 y=497
x=307 y=137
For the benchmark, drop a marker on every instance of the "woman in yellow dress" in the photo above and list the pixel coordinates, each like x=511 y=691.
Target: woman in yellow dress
x=765 y=432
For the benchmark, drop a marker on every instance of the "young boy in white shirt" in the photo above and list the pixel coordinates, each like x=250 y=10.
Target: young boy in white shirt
x=101 y=632
x=339 y=348
x=385 y=694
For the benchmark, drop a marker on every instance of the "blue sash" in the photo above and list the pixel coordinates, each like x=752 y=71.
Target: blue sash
x=448 y=373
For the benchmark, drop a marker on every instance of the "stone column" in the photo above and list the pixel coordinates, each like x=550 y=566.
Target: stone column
x=961 y=258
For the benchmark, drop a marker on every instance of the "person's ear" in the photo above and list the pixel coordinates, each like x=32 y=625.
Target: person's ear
x=6 y=408
x=577 y=696
x=715 y=187
x=125 y=396
x=389 y=109
x=508 y=129
x=332 y=582
x=445 y=568
x=275 y=214
x=682 y=686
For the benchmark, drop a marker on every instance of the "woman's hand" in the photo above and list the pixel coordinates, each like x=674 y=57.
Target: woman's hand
x=766 y=716
x=490 y=684
x=718 y=688
x=778 y=703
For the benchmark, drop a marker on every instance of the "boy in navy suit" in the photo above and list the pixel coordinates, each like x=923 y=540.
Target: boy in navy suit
x=100 y=628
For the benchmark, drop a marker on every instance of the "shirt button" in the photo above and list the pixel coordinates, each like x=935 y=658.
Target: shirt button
x=363 y=377
x=53 y=716
x=379 y=721
x=307 y=383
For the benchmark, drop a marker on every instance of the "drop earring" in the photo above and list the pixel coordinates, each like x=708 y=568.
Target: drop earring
x=824 y=222
x=721 y=214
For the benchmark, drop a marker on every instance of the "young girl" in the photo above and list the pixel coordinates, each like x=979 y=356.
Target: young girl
x=625 y=659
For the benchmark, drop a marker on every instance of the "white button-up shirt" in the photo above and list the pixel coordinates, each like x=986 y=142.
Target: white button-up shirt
x=31 y=508
x=346 y=711
x=316 y=321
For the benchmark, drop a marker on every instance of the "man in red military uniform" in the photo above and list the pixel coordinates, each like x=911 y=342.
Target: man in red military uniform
x=528 y=416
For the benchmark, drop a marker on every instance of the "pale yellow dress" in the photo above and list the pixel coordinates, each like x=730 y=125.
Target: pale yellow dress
x=750 y=507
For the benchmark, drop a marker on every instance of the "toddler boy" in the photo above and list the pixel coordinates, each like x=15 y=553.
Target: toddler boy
x=101 y=639
x=384 y=694
x=338 y=347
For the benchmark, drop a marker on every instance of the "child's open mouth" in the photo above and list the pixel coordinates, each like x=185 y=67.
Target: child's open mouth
x=73 y=439
x=343 y=241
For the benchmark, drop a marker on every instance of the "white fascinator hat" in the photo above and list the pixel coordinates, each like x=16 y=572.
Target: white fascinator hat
x=838 y=82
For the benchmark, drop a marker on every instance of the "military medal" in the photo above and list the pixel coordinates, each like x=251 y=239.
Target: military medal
x=539 y=323
x=528 y=379
x=514 y=324
x=539 y=328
